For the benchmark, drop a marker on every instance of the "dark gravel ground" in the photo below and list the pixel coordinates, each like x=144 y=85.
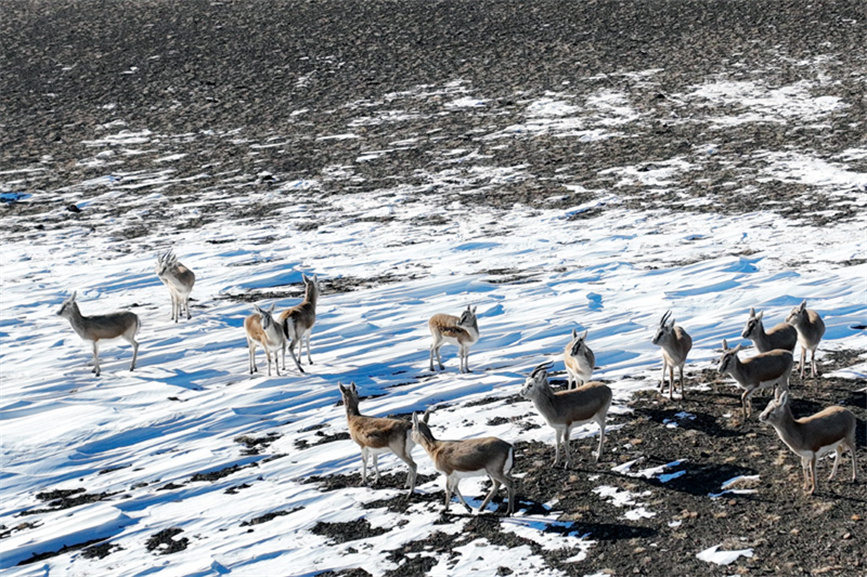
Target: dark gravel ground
x=218 y=76
x=214 y=77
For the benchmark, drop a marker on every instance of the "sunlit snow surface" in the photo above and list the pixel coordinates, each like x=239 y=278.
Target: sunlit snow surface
x=133 y=434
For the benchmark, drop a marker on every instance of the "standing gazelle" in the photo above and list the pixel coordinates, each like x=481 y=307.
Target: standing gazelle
x=179 y=279
x=122 y=325
x=566 y=409
x=463 y=332
x=830 y=429
x=469 y=458
x=376 y=435
x=676 y=344
x=810 y=327
x=265 y=331
x=782 y=336
x=298 y=321
x=764 y=370
x=579 y=359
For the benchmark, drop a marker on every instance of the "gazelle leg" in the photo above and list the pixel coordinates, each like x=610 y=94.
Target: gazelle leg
x=491 y=494
x=96 y=357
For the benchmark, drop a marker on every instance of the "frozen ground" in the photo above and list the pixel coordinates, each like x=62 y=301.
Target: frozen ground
x=594 y=201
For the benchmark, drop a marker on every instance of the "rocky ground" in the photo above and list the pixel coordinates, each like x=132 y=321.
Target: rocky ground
x=250 y=89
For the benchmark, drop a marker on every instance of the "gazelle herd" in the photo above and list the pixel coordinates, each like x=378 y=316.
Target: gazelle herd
x=583 y=401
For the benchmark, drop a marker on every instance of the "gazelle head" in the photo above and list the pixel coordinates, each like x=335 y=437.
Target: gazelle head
x=468 y=317
x=165 y=261
x=798 y=314
x=267 y=317
x=68 y=307
x=578 y=343
x=420 y=428
x=537 y=381
x=349 y=394
x=753 y=323
x=726 y=362
x=665 y=329
x=776 y=409
x=311 y=286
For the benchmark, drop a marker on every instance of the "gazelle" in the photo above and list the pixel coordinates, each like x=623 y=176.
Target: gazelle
x=763 y=370
x=676 y=344
x=376 y=435
x=566 y=409
x=579 y=359
x=179 y=279
x=782 y=336
x=265 y=331
x=469 y=458
x=298 y=321
x=463 y=332
x=122 y=325
x=810 y=327
x=831 y=429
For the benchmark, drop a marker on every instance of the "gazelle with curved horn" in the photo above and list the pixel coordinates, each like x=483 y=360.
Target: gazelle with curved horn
x=463 y=332
x=179 y=280
x=782 y=336
x=579 y=360
x=456 y=460
x=566 y=409
x=377 y=435
x=97 y=328
x=764 y=370
x=811 y=328
x=831 y=429
x=676 y=344
x=266 y=331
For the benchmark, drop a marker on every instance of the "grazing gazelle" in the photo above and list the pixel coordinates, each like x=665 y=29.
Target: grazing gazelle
x=676 y=344
x=463 y=332
x=566 y=409
x=298 y=321
x=811 y=437
x=810 y=327
x=376 y=435
x=579 y=359
x=124 y=325
x=469 y=458
x=783 y=336
x=265 y=331
x=179 y=279
x=763 y=370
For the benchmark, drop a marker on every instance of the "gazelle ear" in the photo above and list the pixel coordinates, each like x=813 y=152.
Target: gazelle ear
x=353 y=387
x=427 y=413
x=340 y=387
x=574 y=333
x=415 y=420
x=784 y=398
x=738 y=348
x=271 y=310
x=725 y=345
x=759 y=316
x=752 y=312
x=803 y=305
x=257 y=309
x=584 y=336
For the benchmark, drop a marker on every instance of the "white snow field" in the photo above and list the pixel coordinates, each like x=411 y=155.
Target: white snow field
x=140 y=437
